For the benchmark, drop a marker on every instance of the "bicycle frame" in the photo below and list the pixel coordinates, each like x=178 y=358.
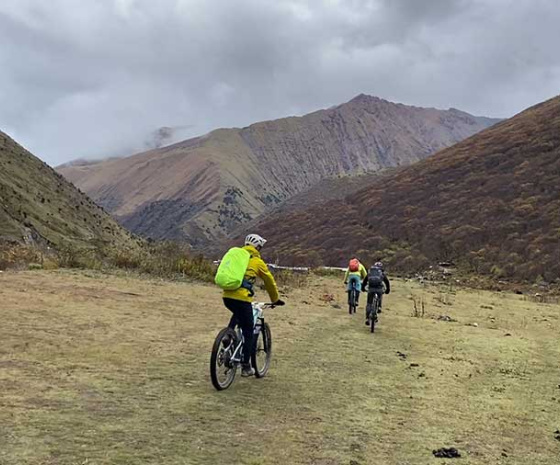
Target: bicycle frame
x=236 y=356
x=374 y=303
x=258 y=316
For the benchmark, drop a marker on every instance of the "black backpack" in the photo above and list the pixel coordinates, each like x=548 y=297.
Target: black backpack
x=375 y=277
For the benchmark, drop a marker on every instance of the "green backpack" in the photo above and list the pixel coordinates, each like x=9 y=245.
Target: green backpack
x=232 y=269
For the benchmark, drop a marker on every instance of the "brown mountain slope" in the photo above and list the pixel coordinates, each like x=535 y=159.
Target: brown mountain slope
x=325 y=191
x=203 y=188
x=491 y=203
x=37 y=205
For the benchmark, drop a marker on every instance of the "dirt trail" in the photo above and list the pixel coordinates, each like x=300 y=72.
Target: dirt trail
x=103 y=369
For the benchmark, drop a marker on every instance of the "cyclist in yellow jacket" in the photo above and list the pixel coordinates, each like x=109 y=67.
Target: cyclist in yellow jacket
x=238 y=301
x=355 y=273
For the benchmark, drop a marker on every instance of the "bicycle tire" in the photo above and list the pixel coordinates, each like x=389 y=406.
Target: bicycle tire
x=373 y=316
x=216 y=360
x=266 y=336
x=352 y=301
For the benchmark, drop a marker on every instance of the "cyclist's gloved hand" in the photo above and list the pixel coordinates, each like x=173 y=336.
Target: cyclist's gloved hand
x=279 y=303
x=387 y=292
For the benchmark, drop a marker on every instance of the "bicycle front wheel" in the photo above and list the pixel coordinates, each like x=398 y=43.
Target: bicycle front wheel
x=222 y=368
x=263 y=351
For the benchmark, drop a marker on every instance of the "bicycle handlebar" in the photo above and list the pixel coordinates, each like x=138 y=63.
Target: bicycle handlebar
x=264 y=305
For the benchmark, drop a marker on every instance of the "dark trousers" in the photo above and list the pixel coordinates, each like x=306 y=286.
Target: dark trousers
x=372 y=292
x=242 y=316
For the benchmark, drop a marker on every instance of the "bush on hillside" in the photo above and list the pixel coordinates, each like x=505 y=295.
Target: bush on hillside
x=17 y=256
x=328 y=273
x=286 y=279
x=164 y=259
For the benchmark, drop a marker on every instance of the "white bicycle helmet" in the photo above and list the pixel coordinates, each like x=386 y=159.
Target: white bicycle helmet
x=255 y=240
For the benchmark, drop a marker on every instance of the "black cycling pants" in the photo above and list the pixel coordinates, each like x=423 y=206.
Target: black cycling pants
x=372 y=292
x=242 y=316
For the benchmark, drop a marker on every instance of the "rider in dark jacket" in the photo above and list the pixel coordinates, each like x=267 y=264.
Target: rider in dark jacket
x=377 y=283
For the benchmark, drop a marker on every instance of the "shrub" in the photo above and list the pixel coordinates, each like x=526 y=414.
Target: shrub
x=17 y=255
x=419 y=306
x=71 y=256
x=164 y=259
x=328 y=272
x=291 y=279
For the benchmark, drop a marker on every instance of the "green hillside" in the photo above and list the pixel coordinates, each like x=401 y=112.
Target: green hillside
x=39 y=207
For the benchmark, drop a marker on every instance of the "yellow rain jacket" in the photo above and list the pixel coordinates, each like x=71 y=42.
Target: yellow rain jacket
x=362 y=273
x=257 y=268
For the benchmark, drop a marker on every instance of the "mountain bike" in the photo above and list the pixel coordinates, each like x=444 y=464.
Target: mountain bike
x=227 y=351
x=352 y=298
x=372 y=310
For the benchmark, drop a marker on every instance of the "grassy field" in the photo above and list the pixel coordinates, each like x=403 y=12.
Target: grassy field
x=106 y=369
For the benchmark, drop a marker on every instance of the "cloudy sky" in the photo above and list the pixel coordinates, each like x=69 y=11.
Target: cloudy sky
x=95 y=78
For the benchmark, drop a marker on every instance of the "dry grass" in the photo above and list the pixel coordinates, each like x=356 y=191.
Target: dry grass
x=106 y=369
x=162 y=259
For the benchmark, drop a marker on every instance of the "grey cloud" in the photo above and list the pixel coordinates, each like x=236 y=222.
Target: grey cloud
x=98 y=78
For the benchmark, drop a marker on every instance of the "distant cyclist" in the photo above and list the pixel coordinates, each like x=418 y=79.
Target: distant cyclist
x=377 y=283
x=239 y=301
x=355 y=273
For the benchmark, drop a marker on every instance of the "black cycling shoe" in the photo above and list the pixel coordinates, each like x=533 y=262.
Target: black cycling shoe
x=247 y=370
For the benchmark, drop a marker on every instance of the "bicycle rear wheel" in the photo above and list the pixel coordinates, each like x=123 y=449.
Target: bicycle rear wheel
x=373 y=316
x=263 y=351
x=222 y=369
x=352 y=301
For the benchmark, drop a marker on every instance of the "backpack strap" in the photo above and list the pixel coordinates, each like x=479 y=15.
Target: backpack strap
x=246 y=284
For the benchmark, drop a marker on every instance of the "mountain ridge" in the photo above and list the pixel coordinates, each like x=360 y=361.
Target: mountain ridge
x=491 y=203
x=202 y=188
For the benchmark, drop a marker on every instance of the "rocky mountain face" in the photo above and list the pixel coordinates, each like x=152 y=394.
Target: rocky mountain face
x=202 y=189
x=38 y=206
x=491 y=204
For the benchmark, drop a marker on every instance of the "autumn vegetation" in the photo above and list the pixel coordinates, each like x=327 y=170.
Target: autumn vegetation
x=490 y=204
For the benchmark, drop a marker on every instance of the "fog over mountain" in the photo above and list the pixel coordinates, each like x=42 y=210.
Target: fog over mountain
x=95 y=79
